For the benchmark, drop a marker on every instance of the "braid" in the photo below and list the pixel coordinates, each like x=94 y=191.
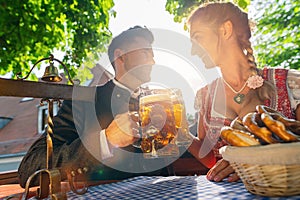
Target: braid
x=251 y=59
x=267 y=90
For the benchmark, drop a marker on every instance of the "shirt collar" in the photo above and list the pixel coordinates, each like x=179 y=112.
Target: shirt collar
x=134 y=93
x=117 y=83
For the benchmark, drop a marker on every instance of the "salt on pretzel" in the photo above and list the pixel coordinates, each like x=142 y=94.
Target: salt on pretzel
x=278 y=128
x=254 y=124
x=265 y=109
x=237 y=123
x=290 y=124
x=237 y=137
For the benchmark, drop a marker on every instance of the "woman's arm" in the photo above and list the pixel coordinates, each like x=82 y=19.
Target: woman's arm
x=198 y=150
x=207 y=160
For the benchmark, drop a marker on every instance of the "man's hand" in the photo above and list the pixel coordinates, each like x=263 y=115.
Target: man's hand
x=221 y=170
x=123 y=130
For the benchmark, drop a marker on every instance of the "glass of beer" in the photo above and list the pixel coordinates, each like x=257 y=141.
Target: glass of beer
x=158 y=126
x=183 y=138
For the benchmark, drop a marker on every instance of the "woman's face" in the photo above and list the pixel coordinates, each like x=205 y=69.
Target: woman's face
x=204 y=43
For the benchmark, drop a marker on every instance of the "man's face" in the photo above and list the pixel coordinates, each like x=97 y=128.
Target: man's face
x=138 y=59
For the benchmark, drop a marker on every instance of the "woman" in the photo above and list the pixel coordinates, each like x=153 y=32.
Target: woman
x=220 y=34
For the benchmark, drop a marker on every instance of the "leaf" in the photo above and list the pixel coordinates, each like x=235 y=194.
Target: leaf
x=33 y=29
x=277 y=40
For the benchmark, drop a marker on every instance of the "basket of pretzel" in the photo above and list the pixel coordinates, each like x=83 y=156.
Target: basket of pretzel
x=264 y=149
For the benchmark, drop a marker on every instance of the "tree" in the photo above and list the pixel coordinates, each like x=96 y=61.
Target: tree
x=32 y=29
x=277 y=39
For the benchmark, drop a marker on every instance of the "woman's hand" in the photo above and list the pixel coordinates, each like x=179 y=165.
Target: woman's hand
x=221 y=170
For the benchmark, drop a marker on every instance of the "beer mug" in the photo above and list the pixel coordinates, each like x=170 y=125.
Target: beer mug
x=158 y=126
x=183 y=138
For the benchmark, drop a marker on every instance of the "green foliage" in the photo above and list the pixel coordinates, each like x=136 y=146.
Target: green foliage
x=32 y=29
x=277 y=39
x=182 y=8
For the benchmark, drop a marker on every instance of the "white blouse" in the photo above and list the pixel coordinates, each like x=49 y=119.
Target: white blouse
x=293 y=81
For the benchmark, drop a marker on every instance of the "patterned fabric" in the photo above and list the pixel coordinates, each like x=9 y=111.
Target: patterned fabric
x=280 y=101
x=170 y=188
x=284 y=101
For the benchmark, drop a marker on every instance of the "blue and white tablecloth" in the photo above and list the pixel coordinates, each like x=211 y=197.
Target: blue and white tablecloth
x=170 y=188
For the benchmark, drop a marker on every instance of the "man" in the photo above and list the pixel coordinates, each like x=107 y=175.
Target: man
x=86 y=135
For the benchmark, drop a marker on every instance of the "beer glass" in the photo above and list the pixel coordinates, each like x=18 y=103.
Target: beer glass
x=158 y=126
x=183 y=138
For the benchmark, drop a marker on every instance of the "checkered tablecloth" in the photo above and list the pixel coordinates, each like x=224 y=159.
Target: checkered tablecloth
x=170 y=188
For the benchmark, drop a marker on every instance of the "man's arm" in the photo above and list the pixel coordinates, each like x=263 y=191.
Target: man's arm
x=71 y=151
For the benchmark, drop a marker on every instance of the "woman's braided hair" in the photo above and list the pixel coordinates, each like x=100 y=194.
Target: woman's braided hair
x=214 y=15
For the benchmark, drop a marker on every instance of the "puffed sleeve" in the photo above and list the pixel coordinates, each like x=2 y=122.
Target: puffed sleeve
x=200 y=99
x=293 y=81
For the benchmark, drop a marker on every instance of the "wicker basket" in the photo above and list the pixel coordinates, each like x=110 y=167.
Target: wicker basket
x=270 y=170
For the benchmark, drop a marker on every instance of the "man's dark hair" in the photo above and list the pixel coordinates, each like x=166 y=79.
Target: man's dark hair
x=126 y=37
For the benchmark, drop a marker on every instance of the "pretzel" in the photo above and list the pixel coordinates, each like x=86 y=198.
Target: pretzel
x=237 y=137
x=254 y=124
x=278 y=128
x=265 y=109
x=290 y=124
x=237 y=123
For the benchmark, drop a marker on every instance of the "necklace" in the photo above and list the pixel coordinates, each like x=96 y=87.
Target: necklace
x=238 y=98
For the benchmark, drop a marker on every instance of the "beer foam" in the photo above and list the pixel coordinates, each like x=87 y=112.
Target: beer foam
x=155 y=98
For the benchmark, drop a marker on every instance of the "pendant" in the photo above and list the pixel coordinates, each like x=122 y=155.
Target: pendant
x=239 y=98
